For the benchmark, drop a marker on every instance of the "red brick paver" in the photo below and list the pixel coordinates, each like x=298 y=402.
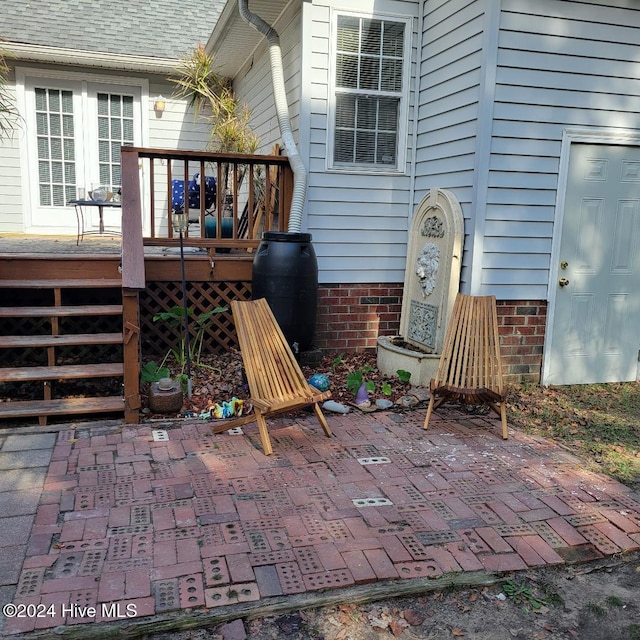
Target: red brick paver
x=132 y=527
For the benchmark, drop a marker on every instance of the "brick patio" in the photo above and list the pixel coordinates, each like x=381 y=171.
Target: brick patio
x=166 y=517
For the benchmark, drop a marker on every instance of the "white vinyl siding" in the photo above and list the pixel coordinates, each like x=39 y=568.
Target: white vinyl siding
x=358 y=218
x=254 y=85
x=176 y=127
x=499 y=84
x=560 y=64
x=451 y=75
x=10 y=175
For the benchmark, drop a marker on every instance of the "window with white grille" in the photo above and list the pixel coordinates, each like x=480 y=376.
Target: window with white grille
x=369 y=84
x=115 y=129
x=56 y=142
x=56 y=146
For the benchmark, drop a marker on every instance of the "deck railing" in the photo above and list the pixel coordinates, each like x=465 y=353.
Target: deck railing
x=239 y=197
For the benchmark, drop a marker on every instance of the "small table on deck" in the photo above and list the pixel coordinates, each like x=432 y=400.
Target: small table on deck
x=100 y=204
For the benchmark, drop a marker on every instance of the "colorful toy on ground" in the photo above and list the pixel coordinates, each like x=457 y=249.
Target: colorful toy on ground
x=222 y=410
x=320 y=381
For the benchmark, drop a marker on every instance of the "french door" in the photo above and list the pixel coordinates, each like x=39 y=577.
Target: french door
x=74 y=134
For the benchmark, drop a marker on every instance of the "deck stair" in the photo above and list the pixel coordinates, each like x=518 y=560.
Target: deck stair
x=53 y=331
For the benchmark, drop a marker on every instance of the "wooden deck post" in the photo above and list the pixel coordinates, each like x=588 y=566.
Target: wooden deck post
x=131 y=351
x=133 y=280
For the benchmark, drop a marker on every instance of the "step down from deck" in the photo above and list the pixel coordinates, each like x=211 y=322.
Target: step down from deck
x=60 y=322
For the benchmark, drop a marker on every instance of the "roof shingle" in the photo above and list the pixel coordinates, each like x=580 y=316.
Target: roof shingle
x=158 y=28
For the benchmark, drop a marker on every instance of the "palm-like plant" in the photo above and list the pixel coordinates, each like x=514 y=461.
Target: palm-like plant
x=214 y=101
x=8 y=112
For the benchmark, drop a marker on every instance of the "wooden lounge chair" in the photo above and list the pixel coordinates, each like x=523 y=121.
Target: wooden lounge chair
x=276 y=381
x=470 y=369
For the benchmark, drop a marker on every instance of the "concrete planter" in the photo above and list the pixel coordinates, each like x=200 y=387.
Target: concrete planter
x=391 y=357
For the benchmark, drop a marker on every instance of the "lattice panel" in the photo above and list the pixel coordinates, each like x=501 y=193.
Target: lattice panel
x=158 y=337
x=25 y=297
x=90 y=324
x=25 y=326
x=67 y=325
x=19 y=357
x=98 y=295
x=89 y=354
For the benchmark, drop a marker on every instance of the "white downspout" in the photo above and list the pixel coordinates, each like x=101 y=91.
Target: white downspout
x=282 y=112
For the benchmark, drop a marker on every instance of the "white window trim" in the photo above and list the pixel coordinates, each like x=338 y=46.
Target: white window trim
x=24 y=76
x=403 y=111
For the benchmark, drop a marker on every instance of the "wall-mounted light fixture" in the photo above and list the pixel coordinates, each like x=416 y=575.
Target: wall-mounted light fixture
x=159 y=105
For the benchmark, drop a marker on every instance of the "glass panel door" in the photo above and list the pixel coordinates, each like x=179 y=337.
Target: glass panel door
x=75 y=131
x=55 y=153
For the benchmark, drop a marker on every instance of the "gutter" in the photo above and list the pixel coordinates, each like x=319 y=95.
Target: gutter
x=80 y=57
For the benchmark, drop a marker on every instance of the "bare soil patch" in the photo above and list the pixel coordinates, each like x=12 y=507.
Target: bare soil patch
x=595 y=601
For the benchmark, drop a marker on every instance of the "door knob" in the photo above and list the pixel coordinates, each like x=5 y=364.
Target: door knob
x=563 y=282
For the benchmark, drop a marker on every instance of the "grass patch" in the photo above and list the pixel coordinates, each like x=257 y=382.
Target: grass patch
x=634 y=632
x=614 y=601
x=598 y=422
x=596 y=609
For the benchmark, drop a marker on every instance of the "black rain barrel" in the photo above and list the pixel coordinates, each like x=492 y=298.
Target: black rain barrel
x=285 y=272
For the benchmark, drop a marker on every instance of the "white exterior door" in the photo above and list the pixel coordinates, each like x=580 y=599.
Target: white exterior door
x=595 y=323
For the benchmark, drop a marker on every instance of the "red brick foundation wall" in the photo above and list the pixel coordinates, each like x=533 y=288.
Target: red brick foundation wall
x=351 y=317
x=522 y=326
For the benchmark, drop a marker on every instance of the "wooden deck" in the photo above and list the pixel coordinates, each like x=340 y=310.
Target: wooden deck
x=64 y=298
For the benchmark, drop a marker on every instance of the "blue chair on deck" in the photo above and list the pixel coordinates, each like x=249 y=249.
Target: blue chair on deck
x=177 y=196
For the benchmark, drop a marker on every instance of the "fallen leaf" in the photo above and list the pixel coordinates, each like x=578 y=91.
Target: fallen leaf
x=378 y=623
x=413 y=617
x=396 y=627
x=346 y=607
x=458 y=633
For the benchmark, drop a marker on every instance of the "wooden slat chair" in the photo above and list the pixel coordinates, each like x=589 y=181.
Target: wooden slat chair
x=276 y=381
x=470 y=368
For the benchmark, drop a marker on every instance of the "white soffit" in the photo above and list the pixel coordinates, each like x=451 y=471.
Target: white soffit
x=233 y=40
